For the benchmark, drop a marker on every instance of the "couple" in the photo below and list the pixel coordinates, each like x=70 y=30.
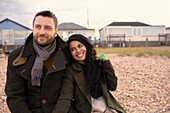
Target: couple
x=48 y=76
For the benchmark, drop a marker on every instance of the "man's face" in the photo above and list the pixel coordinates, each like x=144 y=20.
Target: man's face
x=44 y=31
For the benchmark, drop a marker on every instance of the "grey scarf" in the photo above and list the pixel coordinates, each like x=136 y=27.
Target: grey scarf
x=42 y=55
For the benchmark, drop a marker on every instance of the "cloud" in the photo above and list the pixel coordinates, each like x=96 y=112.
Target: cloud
x=12 y=7
x=101 y=12
x=17 y=10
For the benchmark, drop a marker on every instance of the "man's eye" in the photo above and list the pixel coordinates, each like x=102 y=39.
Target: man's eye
x=48 y=28
x=38 y=26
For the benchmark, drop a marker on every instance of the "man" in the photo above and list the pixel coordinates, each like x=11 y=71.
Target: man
x=35 y=70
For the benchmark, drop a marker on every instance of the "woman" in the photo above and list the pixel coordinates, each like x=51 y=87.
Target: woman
x=87 y=81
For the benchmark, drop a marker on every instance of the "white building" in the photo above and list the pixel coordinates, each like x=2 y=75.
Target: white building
x=167 y=37
x=167 y=30
x=67 y=29
x=131 y=31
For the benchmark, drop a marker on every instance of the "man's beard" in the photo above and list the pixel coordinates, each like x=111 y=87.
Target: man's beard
x=49 y=42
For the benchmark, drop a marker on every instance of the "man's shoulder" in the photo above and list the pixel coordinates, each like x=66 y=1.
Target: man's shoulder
x=67 y=55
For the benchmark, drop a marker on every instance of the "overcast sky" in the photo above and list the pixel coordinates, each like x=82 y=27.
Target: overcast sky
x=100 y=12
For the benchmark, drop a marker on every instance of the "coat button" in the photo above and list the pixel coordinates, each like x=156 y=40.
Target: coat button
x=44 y=101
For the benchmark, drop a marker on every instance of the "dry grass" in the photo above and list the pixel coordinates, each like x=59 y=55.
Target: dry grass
x=136 y=51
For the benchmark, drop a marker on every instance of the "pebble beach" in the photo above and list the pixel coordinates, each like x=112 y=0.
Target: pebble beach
x=143 y=83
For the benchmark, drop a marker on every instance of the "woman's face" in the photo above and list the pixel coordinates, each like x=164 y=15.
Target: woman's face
x=78 y=51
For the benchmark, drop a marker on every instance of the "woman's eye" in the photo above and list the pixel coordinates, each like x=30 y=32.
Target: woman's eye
x=72 y=49
x=80 y=45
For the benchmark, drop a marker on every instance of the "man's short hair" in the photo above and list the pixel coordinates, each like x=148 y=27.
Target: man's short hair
x=47 y=14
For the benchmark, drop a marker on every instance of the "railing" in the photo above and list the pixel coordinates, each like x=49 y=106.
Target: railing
x=8 y=48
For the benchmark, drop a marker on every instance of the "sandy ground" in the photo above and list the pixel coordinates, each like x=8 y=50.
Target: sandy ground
x=143 y=83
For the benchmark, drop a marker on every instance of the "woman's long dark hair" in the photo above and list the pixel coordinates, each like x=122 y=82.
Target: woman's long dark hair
x=94 y=73
x=93 y=67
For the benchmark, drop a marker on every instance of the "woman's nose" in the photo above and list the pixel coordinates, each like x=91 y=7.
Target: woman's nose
x=78 y=50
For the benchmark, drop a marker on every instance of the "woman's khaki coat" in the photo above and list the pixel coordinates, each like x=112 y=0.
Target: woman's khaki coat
x=74 y=89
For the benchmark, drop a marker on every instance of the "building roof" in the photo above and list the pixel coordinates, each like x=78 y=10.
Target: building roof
x=15 y=23
x=71 y=26
x=128 y=24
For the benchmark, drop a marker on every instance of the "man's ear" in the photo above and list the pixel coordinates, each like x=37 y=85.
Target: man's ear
x=56 y=32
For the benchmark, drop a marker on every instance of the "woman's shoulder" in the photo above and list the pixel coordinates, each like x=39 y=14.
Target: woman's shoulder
x=74 y=67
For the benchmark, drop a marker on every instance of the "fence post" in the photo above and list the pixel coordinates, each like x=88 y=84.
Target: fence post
x=120 y=43
x=16 y=45
x=5 y=45
x=146 y=42
x=166 y=43
x=129 y=42
x=159 y=40
x=113 y=44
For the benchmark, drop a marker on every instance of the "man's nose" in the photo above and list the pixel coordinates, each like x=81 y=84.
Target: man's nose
x=41 y=31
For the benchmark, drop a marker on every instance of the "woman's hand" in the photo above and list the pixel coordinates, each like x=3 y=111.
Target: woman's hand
x=97 y=56
x=102 y=57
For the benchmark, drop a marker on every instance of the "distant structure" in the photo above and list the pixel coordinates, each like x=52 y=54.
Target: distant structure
x=132 y=34
x=167 y=30
x=87 y=17
x=67 y=29
x=12 y=34
x=167 y=37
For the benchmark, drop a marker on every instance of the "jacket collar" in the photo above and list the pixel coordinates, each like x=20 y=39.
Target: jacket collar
x=25 y=70
x=28 y=49
x=76 y=65
x=80 y=79
x=25 y=52
x=58 y=62
x=28 y=46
